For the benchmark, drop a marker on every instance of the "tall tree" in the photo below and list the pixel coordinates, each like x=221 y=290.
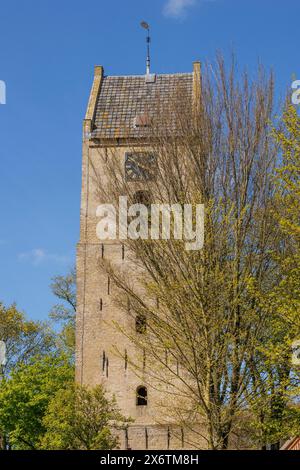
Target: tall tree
x=201 y=318
x=275 y=372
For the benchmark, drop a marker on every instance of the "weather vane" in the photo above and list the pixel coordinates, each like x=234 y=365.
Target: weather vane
x=146 y=26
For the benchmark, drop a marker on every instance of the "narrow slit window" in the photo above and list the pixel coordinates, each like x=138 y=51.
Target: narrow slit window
x=107 y=364
x=141 y=323
x=103 y=361
x=126 y=359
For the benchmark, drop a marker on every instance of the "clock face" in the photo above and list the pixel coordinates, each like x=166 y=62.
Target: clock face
x=140 y=166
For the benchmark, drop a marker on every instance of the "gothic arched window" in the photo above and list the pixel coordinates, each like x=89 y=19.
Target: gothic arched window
x=141 y=396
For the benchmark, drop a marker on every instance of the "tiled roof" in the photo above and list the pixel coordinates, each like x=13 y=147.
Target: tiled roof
x=291 y=444
x=125 y=101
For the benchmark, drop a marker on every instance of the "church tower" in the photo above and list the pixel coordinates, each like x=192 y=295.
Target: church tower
x=115 y=120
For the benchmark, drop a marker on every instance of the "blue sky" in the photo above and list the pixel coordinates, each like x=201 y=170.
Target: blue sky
x=47 y=54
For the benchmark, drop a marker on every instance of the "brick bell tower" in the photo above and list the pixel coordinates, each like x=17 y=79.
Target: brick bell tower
x=115 y=107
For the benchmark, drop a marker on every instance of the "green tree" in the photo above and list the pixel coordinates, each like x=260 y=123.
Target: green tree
x=64 y=288
x=25 y=397
x=287 y=199
x=23 y=338
x=81 y=418
x=202 y=319
x=273 y=372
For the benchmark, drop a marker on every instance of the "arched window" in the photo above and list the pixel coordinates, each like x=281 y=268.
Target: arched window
x=141 y=396
x=142 y=197
x=140 y=323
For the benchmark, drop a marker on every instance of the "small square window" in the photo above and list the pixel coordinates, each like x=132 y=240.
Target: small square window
x=142 y=120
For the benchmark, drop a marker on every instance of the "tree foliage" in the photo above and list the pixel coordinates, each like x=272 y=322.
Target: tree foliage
x=64 y=288
x=210 y=323
x=275 y=374
x=81 y=418
x=25 y=397
x=23 y=338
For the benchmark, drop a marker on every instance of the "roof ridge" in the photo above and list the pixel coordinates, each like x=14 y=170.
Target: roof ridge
x=143 y=75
